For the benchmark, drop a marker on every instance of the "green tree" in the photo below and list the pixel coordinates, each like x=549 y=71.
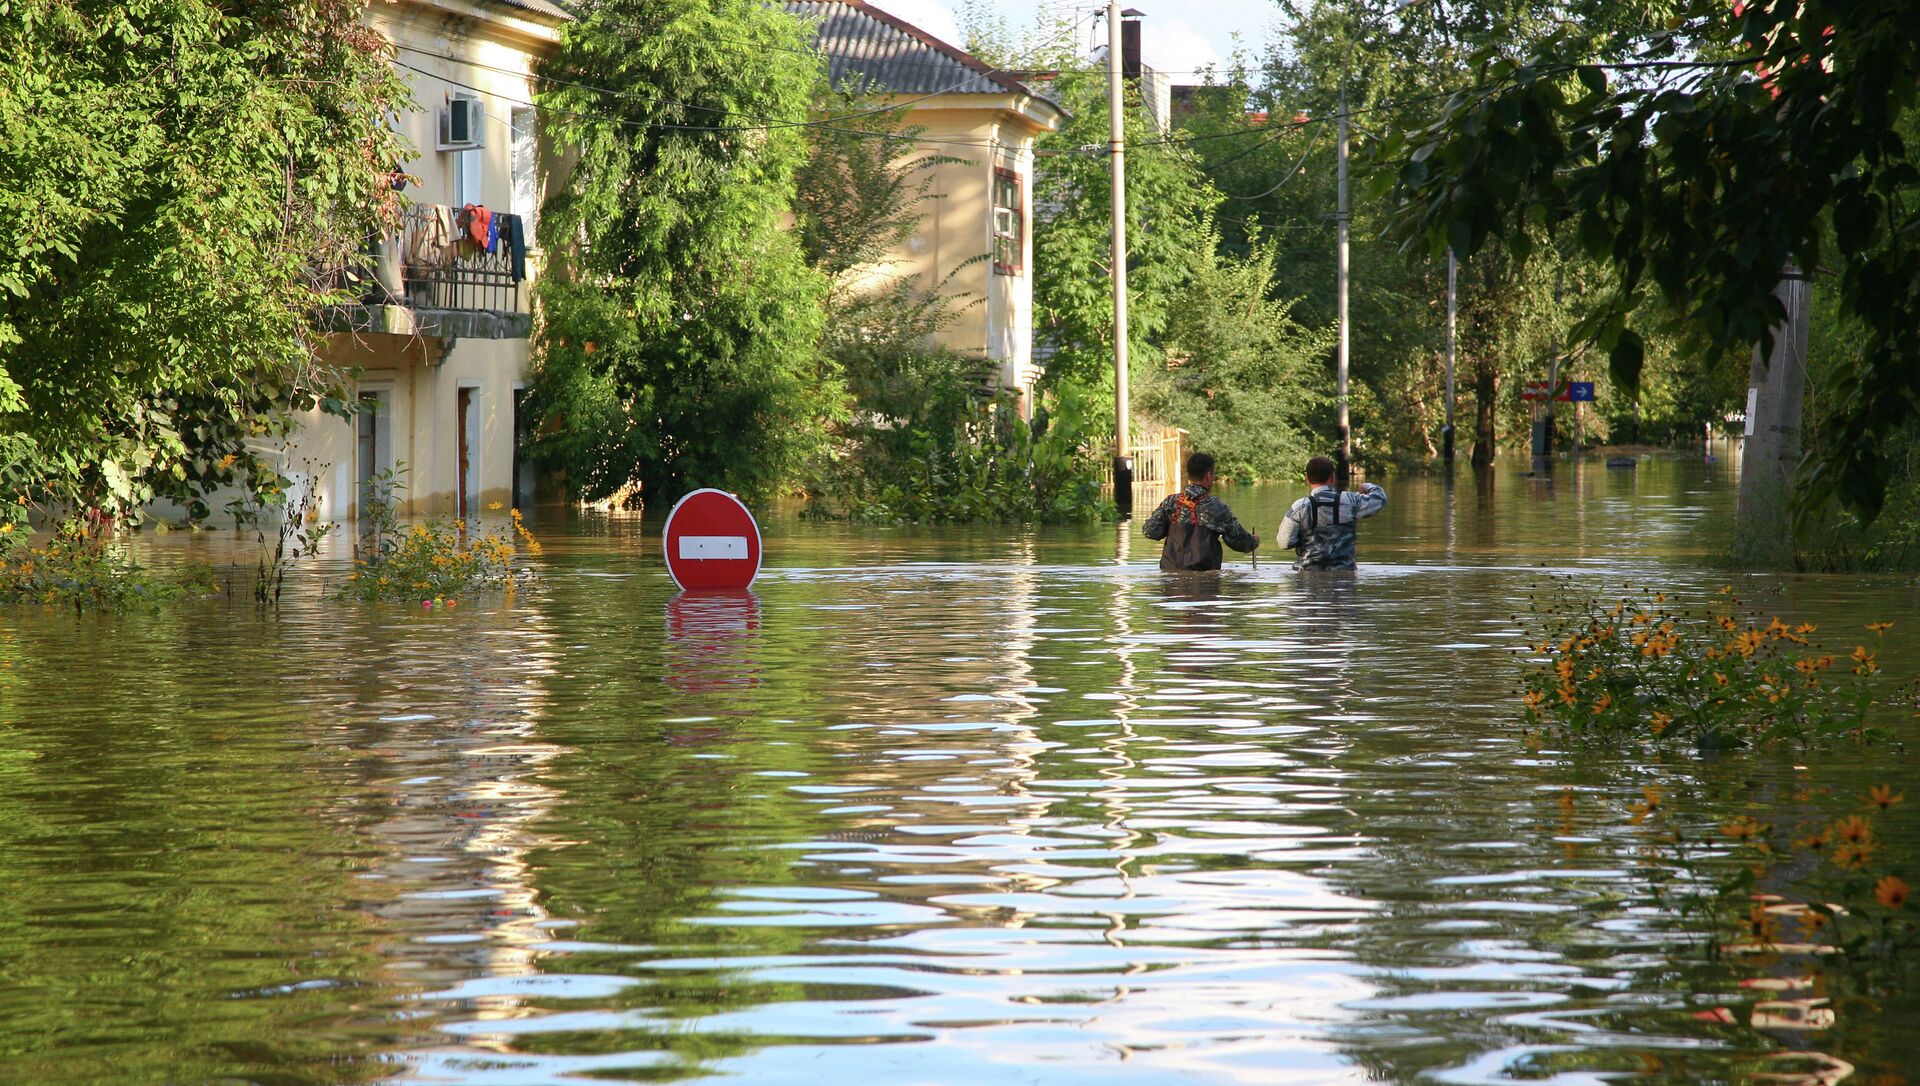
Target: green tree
x=1242 y=376
x=174 y=177
x=1169 y=205
x=679 y=345
x=1695 y=179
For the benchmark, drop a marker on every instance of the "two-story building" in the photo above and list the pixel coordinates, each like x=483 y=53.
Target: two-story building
x=975 y=243
x=441 y=339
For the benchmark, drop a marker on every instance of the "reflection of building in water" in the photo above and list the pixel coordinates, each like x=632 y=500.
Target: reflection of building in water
x=451 y=787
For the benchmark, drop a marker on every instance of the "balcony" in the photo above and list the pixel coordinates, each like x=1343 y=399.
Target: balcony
x=431 y=280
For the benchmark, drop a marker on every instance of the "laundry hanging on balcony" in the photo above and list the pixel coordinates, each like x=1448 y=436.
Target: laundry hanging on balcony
x=517 y=245
x=476 y=225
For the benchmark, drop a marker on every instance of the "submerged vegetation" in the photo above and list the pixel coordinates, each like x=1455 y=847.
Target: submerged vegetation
x=435 y=562
x=83 y=567
x=1644 y=671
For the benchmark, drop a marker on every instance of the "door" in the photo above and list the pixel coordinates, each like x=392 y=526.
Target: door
x=467 y=490
x=522 y=463
x=373 y=452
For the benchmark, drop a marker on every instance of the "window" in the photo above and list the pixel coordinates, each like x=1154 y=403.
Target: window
x=1009 y=223
x=466 y=178
x=526 y=175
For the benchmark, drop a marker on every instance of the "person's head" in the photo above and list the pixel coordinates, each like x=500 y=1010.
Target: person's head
x=1200 y=469
x=1320 y=471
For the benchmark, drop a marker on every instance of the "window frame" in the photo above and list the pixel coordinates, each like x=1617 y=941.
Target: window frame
x=1019 y=236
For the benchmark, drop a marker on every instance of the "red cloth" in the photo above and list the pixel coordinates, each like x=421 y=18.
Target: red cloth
x=474 y=219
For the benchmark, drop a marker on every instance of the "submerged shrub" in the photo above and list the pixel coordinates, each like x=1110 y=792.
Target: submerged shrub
x=440 y=560
x=81 y=567
x=1639 y=670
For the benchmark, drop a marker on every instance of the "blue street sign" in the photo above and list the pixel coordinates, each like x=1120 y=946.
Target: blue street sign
x=1582 y=391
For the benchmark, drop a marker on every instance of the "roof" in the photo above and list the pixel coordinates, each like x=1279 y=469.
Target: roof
x=546 y=8
x=862 y=42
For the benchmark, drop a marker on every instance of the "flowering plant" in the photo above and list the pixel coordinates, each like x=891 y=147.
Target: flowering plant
x=1645 y=670
x=439 y=560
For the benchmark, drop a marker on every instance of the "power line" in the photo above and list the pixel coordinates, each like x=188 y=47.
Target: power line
x=1284 y=178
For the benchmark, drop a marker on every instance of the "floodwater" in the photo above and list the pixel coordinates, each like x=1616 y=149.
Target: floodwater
x=928 y=806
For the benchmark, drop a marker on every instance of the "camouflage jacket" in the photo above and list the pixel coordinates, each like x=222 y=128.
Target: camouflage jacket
x=1193 y=523
x=1321 y=526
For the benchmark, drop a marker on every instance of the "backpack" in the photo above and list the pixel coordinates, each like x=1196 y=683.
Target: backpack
x=1330 y=542
x=1190 y=544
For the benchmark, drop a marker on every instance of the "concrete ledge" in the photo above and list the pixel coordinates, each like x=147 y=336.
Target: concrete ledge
x=400 y=320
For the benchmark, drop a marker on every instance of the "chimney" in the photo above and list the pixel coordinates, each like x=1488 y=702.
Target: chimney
x=1130 y=42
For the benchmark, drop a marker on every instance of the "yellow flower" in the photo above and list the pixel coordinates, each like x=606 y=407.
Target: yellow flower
x=1883 y=796
x=1891 y=892
x=1863 y=661
x=1852 y=857
x=496 y=506
x=1760 y=924
x=1879 y=628
x=1661 y=721
x=1604 y=703
x=1816 y=841
x=1853 y=829
x=1743 y=827
x=1534 y=699
x=7 y=528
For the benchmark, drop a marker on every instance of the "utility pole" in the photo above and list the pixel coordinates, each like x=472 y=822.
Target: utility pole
x=1117 y=162
x=1446 y=432
x=1344 y=454
x=1543 y=429
x=1776 y=388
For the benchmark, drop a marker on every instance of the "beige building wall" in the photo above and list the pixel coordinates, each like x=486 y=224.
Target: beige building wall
x=991 y=312
x=417 y=365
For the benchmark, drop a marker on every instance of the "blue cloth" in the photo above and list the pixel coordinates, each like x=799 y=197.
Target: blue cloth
x=493 y=233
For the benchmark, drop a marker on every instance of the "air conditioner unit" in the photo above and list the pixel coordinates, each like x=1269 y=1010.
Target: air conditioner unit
x=460 y=124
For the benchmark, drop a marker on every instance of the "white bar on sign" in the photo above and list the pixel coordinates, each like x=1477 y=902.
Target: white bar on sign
x=714 y=546
x=1753 y=407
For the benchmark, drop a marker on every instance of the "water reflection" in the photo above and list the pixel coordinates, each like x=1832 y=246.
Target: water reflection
x=939 y=806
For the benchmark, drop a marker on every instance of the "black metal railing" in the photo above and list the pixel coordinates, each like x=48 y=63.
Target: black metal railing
x=442 y=269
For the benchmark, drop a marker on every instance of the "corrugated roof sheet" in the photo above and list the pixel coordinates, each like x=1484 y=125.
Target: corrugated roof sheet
x=862 y=42
x=541 y=7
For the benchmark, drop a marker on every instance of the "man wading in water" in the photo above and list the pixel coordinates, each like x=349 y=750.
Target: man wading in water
x=1320 y=526
x=1193 y=522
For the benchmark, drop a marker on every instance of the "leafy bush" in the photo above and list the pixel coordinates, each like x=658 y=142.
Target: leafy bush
x=1641 y=671
x=438 y=561
x=932 y=445
x=431 y=562
x=1243 y=377
x=81 y=568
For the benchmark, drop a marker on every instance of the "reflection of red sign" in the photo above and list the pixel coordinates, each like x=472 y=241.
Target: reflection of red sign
x=712 y=542
x=711 y=634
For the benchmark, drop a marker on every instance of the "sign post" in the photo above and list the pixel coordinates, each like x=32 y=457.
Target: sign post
x=712 y=542
x=1579 y=392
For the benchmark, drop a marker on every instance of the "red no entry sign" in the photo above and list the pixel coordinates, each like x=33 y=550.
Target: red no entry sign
x=712 y=542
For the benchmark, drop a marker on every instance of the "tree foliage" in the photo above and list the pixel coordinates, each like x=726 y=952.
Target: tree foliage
x=1243 y=377
x=1732 y=142
x=1169 y=203
x=679 y=341
x=175 y=176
